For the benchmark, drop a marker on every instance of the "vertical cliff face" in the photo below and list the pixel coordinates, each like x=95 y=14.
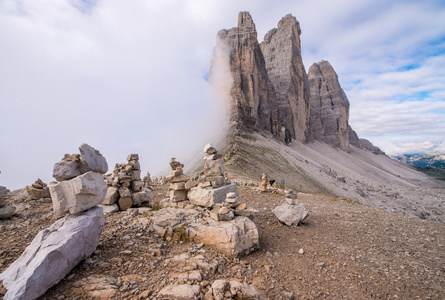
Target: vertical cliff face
x=282 y=54
x=329 y=112
x=270 y=90
x=254 y=103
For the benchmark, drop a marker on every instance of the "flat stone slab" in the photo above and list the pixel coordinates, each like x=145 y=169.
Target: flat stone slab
x=52 y=254
x=208 y=197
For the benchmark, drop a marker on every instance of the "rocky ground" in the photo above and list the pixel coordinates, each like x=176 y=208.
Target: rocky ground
x=344 y=250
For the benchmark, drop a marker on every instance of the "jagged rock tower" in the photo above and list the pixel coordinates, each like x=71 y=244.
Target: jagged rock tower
x=329 y=112
x=282 y=53
x=271 y=91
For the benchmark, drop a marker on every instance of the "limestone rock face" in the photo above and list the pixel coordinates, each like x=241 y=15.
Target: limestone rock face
x=232 y=238
x=52 y=254
x=367 y=145
x=282 y=54
x=329 y=112
x=210 y=197
x=92 y=160
x=78 y=194
x=65 y=170
x=254 y=104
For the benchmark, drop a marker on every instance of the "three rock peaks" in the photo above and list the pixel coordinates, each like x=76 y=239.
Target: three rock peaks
x=271 y=91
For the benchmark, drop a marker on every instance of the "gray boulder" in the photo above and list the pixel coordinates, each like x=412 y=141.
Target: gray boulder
x=65 y=170
x=290 y=214
x=3 y=192
x=92 y=160
x=6 y=212
x=78 y=194
x=52 y=254
x=112 y=196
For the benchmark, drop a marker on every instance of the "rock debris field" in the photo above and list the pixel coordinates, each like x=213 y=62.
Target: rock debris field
x=342 y=250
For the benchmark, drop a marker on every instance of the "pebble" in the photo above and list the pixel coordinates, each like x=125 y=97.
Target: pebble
x=301 y=251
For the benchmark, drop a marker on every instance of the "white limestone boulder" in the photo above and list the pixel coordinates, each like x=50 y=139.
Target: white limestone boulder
x=92 y=160
x=232 y=238
x=210 y=197
x=180 y=292
x=52 y=254
x=290 y=214
x=78 y=194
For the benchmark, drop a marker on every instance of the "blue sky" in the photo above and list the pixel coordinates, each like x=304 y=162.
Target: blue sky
x=130 y=76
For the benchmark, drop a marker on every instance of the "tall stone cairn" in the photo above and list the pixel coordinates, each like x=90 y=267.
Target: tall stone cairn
x=125 y=186
x=177 y=179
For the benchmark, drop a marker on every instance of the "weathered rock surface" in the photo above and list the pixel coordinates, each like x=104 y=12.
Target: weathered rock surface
x=180 y=292
x=52 y=254
x=329 y=113
x=65 y=170
x=111 y=196
x=254 y=103
x=290 y=214
x=221 y=289
x=78 y=194
x=367 y=145
x=92 y=160
x=3 y=192
x=143 y=197
x=6 y=212
x=282 y=54
x=210 y=197
x=37 y=193
x=232 y=238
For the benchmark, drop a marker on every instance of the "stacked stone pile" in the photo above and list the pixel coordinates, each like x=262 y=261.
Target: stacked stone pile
x=290 y=212
x=177 y=190
x=263 y=186
x=125 y=186
x=213 y=186
x=6 y=211
x=38 y=190
x=57 y=249
x=81 y=185
x=146 y=181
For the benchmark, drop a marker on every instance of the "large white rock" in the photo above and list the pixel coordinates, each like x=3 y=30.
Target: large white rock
x=290 y=214
x=78 y=194
x=52 y=254
x=232 y=238
x=92 y=160
x=210 y=197
x=65 y=170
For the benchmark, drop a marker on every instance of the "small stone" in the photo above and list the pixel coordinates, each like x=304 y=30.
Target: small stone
x=321 y=264
x=125 y=203
x=301 y=251
x=6 y=212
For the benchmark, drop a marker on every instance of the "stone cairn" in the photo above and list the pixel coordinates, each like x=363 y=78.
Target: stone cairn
x=81 y=185
x=146 y=181
x=177 y=190
x=38 y=190
x=263 y=186
x=291 y=212
x=125 y=186
x=215 y=191
x=6 y=211
x=56 y=250
x=213 y=169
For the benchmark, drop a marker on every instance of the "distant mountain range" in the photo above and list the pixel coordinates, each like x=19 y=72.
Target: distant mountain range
x=433 y=160
x=432 y=164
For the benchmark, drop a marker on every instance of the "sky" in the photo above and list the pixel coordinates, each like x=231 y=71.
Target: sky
x=132 y=76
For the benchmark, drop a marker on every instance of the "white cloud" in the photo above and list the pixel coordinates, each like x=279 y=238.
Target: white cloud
x=129 y=77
